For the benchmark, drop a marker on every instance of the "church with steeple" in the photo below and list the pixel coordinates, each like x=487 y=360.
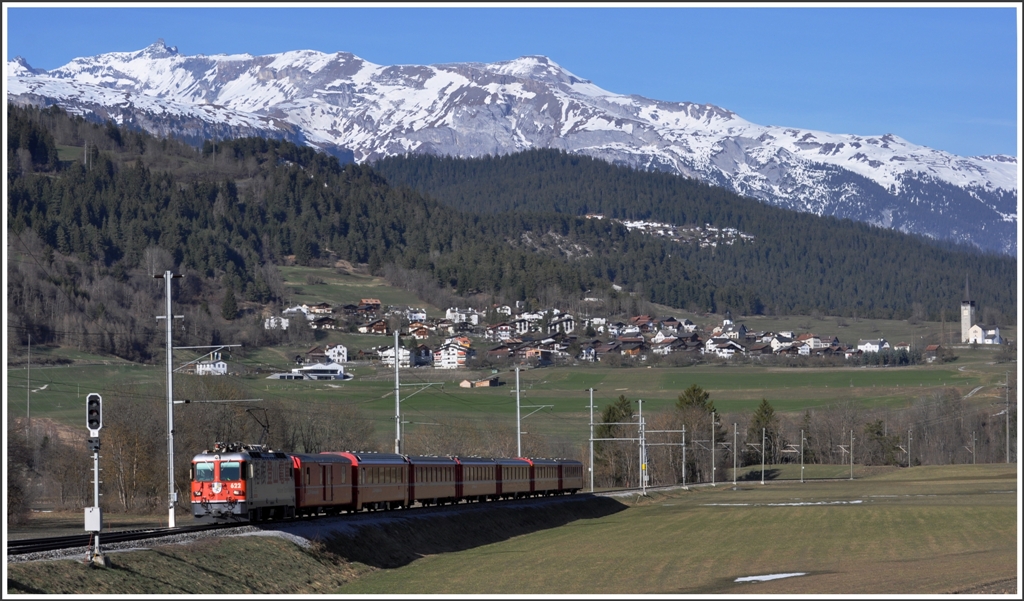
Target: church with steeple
x=972 y=332
x=968 y=312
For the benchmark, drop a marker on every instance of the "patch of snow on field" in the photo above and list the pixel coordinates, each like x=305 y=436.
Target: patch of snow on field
x=817 y=503
x=769 y=577
x=781 y=504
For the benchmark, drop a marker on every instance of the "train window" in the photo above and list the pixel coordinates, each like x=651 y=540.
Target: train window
x=362 y=475
x=204 y=472
x=230 y=470
x=307 y=474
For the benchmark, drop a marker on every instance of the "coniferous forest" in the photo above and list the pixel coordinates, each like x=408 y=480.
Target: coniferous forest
x=797 y=263
x=88 y=234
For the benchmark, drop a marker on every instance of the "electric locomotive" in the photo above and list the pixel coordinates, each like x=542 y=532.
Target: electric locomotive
x=236 y=482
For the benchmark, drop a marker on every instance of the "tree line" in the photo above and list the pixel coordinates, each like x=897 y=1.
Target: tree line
x=939 y=428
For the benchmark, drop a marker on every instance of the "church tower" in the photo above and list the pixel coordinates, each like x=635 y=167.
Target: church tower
x=968 y=312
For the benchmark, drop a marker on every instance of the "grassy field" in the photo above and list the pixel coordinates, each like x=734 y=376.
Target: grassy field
x=342 y=287
x=922 y=531
x=58 y=392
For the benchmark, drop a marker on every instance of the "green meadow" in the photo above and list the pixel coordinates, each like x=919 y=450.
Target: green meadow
x=927 y=530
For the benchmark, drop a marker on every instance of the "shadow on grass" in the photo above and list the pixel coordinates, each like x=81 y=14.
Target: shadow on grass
x=755 y=475
x=402 y=537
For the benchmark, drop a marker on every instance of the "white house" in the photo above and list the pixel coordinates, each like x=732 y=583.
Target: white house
x=463 y=315
x=414 y=314
x=315 y=371
x=564 y=323
x=387 y=356
x=723 y=347
x=211 y=368
x=872 y=346
x=337 y=353
x=521 y=326
x=662 y=336
x=275 y=323
x=453 y=353
x=499 y=332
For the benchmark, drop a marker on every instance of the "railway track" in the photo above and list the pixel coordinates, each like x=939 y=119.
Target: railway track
x=55 y=543
x=26 y=546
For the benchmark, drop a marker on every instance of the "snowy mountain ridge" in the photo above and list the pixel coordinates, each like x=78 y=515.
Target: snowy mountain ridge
x=362 y=111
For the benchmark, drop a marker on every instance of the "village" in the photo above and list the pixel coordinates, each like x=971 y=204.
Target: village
x=506 y=335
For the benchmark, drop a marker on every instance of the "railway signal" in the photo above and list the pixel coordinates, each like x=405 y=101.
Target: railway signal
x=94 y=515
x=94 y=414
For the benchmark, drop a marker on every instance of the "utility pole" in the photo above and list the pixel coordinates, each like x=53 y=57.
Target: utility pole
x=735 y=450
x=1007 y=417
x=398 y=409
x=28 y=391
x=172 y=496
x=910 y=436
x=713 y=468
x=519 y=426
x=801 y=456
x=643 y=463
x=851 y=454
x=974 y=447
x=591 y=437
x=684 y=456
x=762 y=454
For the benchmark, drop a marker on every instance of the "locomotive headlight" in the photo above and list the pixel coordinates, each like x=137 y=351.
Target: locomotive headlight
x=197 y=493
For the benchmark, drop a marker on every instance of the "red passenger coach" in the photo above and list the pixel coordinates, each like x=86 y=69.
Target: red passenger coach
x=543 y=476
x=433 y=480
x=513 y=478
x=379 y=480
x=323 y=483
x=477 y=478
x=571 y=475
x=242 y=482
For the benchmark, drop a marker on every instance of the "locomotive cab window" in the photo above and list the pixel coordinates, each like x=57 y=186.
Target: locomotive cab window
x=230 y=470
x=204 y=472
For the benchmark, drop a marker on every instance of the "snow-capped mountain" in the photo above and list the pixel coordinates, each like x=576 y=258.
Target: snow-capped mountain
x=361 y=111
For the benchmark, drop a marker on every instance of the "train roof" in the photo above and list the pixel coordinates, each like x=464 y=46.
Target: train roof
x=532 y=461
x=476 y=460
x=431 y=460
x=299 y=458
x=238 y=455
x=361 y=458
x=511 y=461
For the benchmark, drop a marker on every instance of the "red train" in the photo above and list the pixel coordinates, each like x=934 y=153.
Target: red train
x=248 y=483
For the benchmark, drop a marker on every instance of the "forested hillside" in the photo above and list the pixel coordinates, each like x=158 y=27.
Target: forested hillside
x=95 y=210
x=797 y=263
x=90 y=233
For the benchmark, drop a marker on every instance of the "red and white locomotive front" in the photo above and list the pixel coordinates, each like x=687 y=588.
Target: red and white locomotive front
x=218 y=488
x=236 y=482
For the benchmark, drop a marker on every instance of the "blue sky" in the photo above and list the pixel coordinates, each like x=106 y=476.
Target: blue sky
x=944 y=77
